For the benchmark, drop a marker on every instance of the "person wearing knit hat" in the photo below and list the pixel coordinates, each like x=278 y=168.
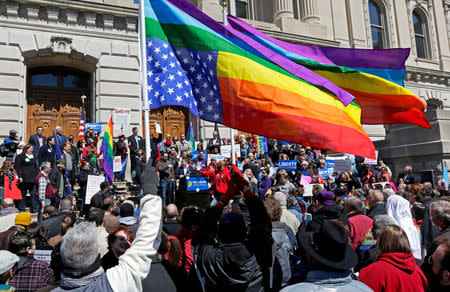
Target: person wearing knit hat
x=327 y=210
x=7 y=269
x=23 y=219
x=127 y=217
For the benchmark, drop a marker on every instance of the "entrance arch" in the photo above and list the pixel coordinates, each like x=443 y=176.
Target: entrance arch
x=54 y=99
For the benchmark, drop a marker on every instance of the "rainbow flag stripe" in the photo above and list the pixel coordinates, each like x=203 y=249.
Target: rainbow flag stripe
x=108 y=153
x=254 y=95
x=373 y=77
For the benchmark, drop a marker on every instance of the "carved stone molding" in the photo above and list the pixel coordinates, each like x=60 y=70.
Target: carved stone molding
x=61 y=45
x=387 y=7
x=26 y=11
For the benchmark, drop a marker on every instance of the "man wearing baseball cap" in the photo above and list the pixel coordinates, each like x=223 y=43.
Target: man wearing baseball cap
x=8 y=266
x=324 y=201
x=22 y=221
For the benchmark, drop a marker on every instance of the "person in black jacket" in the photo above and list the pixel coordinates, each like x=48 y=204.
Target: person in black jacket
x=27 y=169
x=37 y=141
x=228 y=257
x=82 y=179
x=47 y=152
x=327 y=210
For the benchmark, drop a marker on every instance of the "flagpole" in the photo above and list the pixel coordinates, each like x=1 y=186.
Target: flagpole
x=225 y=22
x=143 y=48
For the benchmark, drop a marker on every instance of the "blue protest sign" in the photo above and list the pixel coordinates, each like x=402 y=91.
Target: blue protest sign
x=288 y=165
x=96 y=126
x=196 y=184
x=445 y=175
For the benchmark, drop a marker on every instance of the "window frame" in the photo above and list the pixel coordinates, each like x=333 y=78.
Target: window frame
x=425 y=36
x=384 y=25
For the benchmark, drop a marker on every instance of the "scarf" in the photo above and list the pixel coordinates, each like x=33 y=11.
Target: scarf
x=10 y=174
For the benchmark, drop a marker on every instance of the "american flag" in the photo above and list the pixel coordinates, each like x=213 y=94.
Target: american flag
x=184 y=77
x=81 y=131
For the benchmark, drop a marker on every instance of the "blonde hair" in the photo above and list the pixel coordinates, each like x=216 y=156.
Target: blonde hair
x=393 y=238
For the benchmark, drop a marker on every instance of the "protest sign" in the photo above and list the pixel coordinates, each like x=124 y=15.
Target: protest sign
x=308 y=189
x=371 y=161
x=305 y=179
x=288 y=165
x=342 y=166
x=122 y=118
x=225 y=150
x=117 y=164
x=97 y=127
x=259 y=144
x=93 y=186
x=196 y=184
x=217 y=157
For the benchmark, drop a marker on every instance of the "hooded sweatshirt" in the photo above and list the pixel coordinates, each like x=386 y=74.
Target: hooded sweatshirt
x=394 y=272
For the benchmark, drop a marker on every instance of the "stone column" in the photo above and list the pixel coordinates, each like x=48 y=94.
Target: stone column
x=309 y=11
x=283 y=9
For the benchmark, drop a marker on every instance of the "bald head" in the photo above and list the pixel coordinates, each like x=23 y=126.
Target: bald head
x=353 y=205
x=7 y=203
x=172 y=211
x=375 y=197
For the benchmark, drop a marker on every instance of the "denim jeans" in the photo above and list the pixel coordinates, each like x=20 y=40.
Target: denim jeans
x=24 y=187
x=167 y=192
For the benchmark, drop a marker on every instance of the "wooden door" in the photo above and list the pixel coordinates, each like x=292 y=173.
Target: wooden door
x=50 y=110
x=173 y=120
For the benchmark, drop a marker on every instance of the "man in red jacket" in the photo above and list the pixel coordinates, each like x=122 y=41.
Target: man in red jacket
x=360 y=224
x=221 y=179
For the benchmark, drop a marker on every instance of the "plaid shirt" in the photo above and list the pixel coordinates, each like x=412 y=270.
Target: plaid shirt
x=7 y=211
x=32 y=275
x=42 y=187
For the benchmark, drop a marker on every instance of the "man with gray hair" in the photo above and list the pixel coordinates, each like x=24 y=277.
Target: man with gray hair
x=81 y=258
x=286 y=216
x=440 y=216
x=45 y=191
x=387 y=192
x=406 y=175
x=59 y=135
x=376 y=203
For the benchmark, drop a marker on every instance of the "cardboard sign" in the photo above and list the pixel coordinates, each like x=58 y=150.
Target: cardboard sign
x=341 y=166
x=225 y=150
x=196 y=184
x=93 y=186
x=288 y=165
x=117 y=164
x=122 y=118
x=309 y=189
x=96 y=126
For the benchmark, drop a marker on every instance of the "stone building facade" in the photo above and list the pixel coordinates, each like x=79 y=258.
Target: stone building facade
x=91 y=47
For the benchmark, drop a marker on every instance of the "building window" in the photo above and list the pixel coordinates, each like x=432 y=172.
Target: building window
x=378 y=26
x=241 y=9
x=421 y=34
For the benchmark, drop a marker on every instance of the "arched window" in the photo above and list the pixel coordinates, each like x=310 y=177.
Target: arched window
x=378 y=26
x=421 y=34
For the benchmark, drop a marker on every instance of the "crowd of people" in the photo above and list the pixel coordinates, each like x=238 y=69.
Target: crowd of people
x=358 y=230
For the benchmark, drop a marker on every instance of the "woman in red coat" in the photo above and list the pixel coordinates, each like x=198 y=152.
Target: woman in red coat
x=395 y=269
x=11 y=182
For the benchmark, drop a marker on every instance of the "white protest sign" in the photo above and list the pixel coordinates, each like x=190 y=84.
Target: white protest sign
x=370 y=160
x=308 y=189
x=122 y=118
x=117 y=164
x=225 y=150
x=93 y=186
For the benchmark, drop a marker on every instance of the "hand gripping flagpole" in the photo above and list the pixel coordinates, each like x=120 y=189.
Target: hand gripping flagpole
x=143 y=49
x=225 y=22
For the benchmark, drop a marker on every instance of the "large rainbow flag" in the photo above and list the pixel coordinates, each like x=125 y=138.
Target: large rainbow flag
x=198 y=63
x=374 y=77
x=108 y=153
